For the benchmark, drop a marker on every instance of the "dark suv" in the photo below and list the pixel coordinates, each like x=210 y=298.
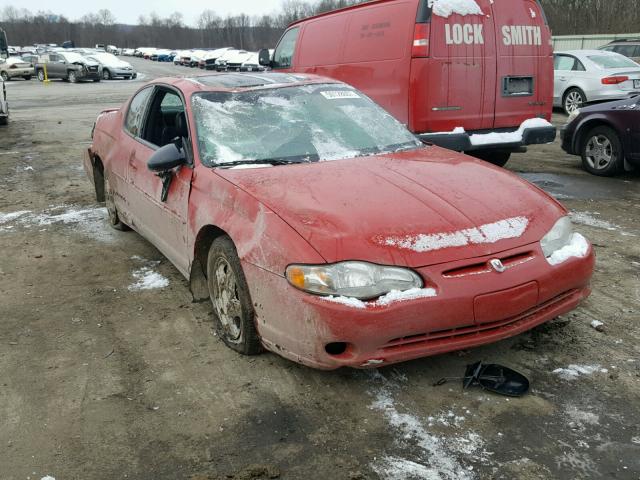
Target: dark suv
x=69 y=66
x=629 y=47
x=606 y=136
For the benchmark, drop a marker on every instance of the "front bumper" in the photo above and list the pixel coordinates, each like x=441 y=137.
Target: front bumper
x=471 y=309
x=461 y=142
x=123 y=73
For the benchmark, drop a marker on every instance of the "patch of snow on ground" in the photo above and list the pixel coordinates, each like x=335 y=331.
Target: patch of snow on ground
x=488 y=233
x=572 y=372
x=446 y=8
x=434 y=457
x=47 y=477
x=578 y=247
x=587 y=218
x=8 y=217
x=508 y=137
x=146 y=277
x=582 y=417
x=392 y=297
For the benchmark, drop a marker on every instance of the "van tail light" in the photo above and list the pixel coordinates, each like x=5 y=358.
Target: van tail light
x=614 y=80
x=420 y=46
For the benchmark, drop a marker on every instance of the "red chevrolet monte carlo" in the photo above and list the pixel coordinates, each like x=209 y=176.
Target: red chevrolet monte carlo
x=322 y=230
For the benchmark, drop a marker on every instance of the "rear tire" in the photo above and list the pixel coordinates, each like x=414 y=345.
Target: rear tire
x=41 y=75
x=5 y=76
x=4 y=121
x=573 y=99
x=230 y=297
x=499 y=159
x=114 y=218
x=602 y=152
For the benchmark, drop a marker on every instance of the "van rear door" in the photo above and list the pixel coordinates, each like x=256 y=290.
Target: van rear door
x=456 y=86
x=525 y=65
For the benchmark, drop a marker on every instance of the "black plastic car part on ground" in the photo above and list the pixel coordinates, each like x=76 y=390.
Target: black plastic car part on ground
x=606 y=136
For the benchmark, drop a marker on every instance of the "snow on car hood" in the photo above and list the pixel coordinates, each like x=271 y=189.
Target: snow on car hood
x=414 y=208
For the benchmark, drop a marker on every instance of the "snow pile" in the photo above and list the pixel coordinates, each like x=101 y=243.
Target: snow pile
x=508 y=137
x=392 y=297
x=91 y=222
x=578 y=247
x=446 y=8
x=47 y=477
x=146 y=277
x=572 y=372
x=455 y=131
x=488 y=233
x=586 y=218
x=434 y=457
x=8 y=217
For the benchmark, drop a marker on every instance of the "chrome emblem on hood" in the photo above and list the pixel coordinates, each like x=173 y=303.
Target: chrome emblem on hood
x=497 y=265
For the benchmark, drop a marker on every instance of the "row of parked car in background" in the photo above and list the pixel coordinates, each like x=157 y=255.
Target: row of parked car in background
x=217 y=59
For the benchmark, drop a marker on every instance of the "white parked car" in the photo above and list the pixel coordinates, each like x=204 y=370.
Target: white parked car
x=221 y=61
x=585 y=76
x=235 y=61
x=211 y=57
x=113 y=67
x=252 y=64
x=14 y=67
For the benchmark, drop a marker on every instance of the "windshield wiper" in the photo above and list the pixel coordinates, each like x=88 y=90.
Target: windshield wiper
x=269 y=161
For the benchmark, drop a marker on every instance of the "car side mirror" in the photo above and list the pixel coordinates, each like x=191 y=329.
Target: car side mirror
x=167 y=158
x=264 y=58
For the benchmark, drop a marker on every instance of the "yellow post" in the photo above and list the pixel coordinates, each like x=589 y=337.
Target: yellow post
x=46 y=77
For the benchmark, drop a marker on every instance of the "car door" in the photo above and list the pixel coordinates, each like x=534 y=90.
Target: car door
x=55 y=66
x=568 y=72
x=164 y=223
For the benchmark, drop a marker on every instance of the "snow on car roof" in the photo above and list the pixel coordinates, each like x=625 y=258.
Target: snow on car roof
x=245 y=80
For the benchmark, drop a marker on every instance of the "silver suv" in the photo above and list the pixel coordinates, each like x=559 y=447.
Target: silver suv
x=629 y=47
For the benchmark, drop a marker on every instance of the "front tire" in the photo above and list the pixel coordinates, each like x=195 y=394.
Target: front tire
x=573 y=100
x=229 y=293
x=602 y=152
x=106 y=74
x=41 y=75
x=72 y=77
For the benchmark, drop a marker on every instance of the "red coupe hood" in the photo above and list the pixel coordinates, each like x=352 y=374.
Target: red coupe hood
x=414 y=209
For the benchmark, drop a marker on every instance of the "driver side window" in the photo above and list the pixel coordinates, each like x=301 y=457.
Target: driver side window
x=133 y=122
x=166 y=120
x=285 y=50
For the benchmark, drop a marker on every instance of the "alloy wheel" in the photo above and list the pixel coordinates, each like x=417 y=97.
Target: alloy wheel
x=227 y=304
x=573 y=101
x=599 y=152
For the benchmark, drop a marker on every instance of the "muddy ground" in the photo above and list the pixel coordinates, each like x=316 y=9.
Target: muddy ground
x=100 y=380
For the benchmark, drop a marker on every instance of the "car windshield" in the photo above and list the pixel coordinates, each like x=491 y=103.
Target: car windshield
x=105 y=57
x=294 y=124
x=613 y=61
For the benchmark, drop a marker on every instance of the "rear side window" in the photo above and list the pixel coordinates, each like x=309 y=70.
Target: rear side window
x=612 y=61
x=626 y=50
x=283 y=55
x=565 y=63
x=135 y=115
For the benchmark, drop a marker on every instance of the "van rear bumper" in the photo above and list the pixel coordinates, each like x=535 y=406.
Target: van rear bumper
x=461 y=142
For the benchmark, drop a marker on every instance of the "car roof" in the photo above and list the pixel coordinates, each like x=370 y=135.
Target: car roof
x=586 y=52
x=239 y=82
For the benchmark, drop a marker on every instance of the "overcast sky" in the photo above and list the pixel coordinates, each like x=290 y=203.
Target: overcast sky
x=128 y=11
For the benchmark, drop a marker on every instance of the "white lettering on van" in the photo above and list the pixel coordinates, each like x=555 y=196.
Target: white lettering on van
x=521 y=35
x=469 y=34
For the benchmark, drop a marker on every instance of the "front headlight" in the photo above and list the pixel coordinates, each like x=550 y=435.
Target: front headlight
x=360 y=280
x=573 y=115
x=559 y=236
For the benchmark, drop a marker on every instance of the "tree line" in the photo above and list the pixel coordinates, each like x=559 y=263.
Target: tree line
x=23 y=27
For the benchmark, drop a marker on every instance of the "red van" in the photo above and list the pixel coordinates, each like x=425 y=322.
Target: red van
x=469 y=75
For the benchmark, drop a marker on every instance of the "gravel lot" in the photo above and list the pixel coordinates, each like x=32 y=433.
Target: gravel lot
x=100 y=379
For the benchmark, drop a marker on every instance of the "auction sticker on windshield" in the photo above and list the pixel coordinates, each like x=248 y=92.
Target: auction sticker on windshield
x=340 y=94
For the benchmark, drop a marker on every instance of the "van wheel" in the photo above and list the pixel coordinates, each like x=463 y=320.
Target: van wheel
x=235 y=317
x=573 y=100
x=601 y=152
x=41 y=75
x=498 y=159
